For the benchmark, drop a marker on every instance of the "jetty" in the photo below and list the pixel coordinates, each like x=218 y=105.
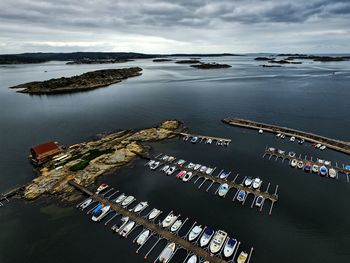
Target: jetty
x=141 y=221
x=334 y=144
x=10 y=193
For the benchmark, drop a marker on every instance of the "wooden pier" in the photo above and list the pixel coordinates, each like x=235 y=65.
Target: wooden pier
x=334 y=144
x=203 y=137
x=10 y=193
x=180 y=242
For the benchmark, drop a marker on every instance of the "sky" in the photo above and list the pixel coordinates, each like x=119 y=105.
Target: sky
x=176 y=26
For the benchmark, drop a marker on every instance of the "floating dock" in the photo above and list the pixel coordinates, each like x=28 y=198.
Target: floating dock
x=154 y=228
x=203 y=137
x=334 y=144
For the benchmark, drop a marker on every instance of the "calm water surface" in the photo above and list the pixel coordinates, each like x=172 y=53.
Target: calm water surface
x=310 y=223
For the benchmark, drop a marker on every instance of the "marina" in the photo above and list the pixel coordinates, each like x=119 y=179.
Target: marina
x=195 y=138
x=308 y=163
x=334 y=144
x=159 y=231
x=243 y=189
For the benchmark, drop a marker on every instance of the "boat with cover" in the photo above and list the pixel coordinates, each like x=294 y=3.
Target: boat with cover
x=187 y=176
x=194 y=139
x=192 y=259
x=171 y=170
x=259 y=201
x=167 y=253
x=205 y=238
x=241 y=195
x=248 y=181
x=127 y=201
x=85 y=204
x=140 y=207
x=165 y=158
x=261 y=131
x=315 y=168
x=101 y=188
x=242 y=257
x=323 y=170
x=120 y=198
x=197 y=166
x=190 y=165
x=169 y=220
x=203 y=169
x=209 y=170
x=332 y=173
x=126 y=230
x=155 y=165
x=119 y=226
x=224 y=175
x=181 y=174
x=195 y=232
x=294 y=163
x=154 y=213
x=223 y=189
x=257 y=183
x=143 y=237
x=100 y=214
x=218 y=241
x=230 y=247
x=176 y=225
x=300 y=165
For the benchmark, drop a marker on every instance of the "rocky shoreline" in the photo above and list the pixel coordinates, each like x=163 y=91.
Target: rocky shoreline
x=98 y=61
x=87 y=81
x=114 y=151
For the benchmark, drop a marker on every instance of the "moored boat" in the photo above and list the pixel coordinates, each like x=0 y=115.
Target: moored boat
x=100 y=214
x=242 y=257
x=181 y=162
x=223 y=189
x=181 y=174
x=209 y=170
x=167 y=253
x=257 y=183
x=154 y=213
x=241 y=196
x=155 y=165
x=259 y=201
x=248 y=181
x=120 y=198
x=176 y=225
x=187 y=176
x=203 y=169
x=126 y=230
x=171 y=170
x=205 y=238
x=195 y=232
x=197 y=166
x=291 y=154
x=169 y=220
x=294 y=163
x=140 y=207
x=101 y=188
x=165 y=168
x=143 y=237
x=300 y=164
x=192 y=259
x=127 y=201
x=323 y=170
x=332 y=173
x=229 y=247
x=218 y=241
x=261 y=131
x=224 y=175
x=190 y=165
x=292 y=139
x=85 y=204
x=308 y=167
x=315 y=168
x=194 y=139
x=119 y=226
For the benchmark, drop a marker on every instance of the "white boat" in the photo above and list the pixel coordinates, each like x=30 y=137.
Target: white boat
x=192 y=259
x=205 y=238
x=220 y=142
x=127 y=201
x=155 y=165
x=209 y=170
x=154 y=213
x=261 y=131
x=327 y=163
x=332 y=173
x=218 y=241
x=259 y=201
x=281 y=152
x=165 y=158
x=85 y=204
x=167 y=253
x=203 y=169
x=176 y=226
x=294 y=163
x=271 y=149
x=292 y=139
x=171 y=158
x=195 y=232
x=318 y=145
x=140 y=207
x=223 y=189
x=291 y=154
x=190 y=165
x=197 y=166
x=186 y=138
x=120 y=198
x=241 y=196
x=315 y=168
x=248 y=181
x=323 y=170
x=98 y=216
x=101 y=188
x=323 y=147
x=230 y=247
x=181 y=162
x=257 y=183
x=209 y=141
x=171 y=170
x=226 y=143
x=119 y=226
x=151 y=162
x=278 y=135
x=320 y=161
x=187 y=176
x=143 y=237
x=283 y=136
x=224 y=175
x=242 y=257
x=165 y=168
x=169 y=220
x=300 y=165
x=126 y=230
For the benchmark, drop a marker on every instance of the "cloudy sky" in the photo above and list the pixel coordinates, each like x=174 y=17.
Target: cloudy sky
x=176 y=26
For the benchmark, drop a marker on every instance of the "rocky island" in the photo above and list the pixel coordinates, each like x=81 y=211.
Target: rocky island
x=85 y=162
x=87 y=81
x=98 y=61
x=210 y=65
x=162 y=60
x=188 y=61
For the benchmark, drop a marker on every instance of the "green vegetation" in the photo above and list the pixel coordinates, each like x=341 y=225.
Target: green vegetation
x=89 y=156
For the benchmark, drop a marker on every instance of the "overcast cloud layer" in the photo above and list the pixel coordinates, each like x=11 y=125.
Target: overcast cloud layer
x=177 y=26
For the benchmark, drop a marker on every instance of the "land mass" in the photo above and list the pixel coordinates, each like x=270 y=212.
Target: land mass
x=86 y=161
x=188 y=61
x=87 y=81
x=162 y=60
x=98 y=61
x=210 y=65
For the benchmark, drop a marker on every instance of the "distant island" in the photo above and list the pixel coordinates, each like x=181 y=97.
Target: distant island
x=289 y=57
x=162 y=60
x=98 y=61
x=87 y=81
x=210 y=65
x=188 y=61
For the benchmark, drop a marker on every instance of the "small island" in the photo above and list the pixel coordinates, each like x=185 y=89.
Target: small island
x=162 y=60
x=188 y=61
x=210 y=65
x=87 y=81
x=97 y=61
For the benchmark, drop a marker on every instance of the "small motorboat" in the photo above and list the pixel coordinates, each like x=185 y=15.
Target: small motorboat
x=155 y=165
x=242 y=257
x=315 y=168
x=318 y=145
x=209 y=170
x=120 y=198
x=165 y=158
x=119 y=226
x=181 y=174
x=283 y=136
x=167 y=253
x=323 y=170
x=205 y=238
x=261 y=131
x=101 y=188
x=272 y=150
x=223 y=189
x=186 y=138
x=194 y=139
x=126 y=230
x=154 y=213
x=218 y=241
x=281 y=152
x=301 y=141
x=176 y=225
x=192 y=259
x=332 y=173
x=308 y=167
x=320 y=161
x=209 y=141
x=171 y=170
x=248 y=181
x=143 y=237
x=241 y=196
x=226 y=143
x=190 y=165
x=323 y=147
x=294 y=163
x=151 y=162
x=197 y=166
x=195 y=232
x=259 y=201
x=171 y=159
x=257 y=183
x=224 y=175
x=180 y=162
x=101 y=213
x=127 y=201
x=85 y=204
x=291 y=154
x=327 y=163
x=140 y=207
x=187 y=176
x=278 y=135
x=220 y=143
x=292 y=139
x=230 y=247
x=169 y=220
x=165 y=168
x=300 y=164
x=203 y=169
